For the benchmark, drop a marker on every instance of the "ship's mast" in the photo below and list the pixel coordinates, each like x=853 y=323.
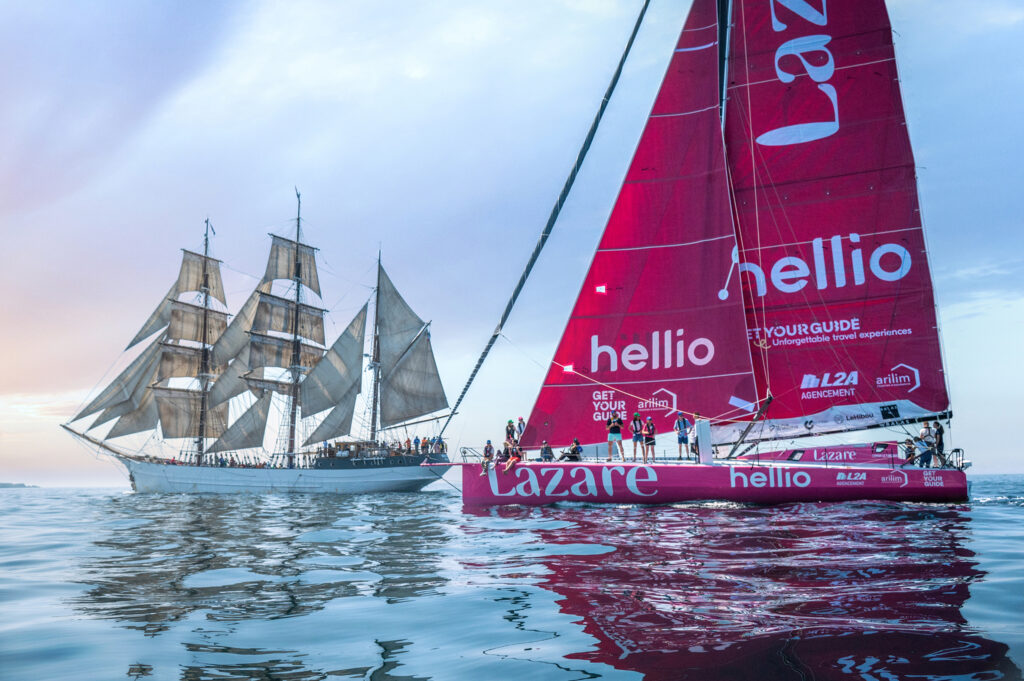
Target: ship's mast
x=296 y=346
x=375 y=360
x=204 y=363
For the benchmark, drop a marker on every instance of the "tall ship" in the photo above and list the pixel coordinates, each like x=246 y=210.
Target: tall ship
x=763 y=271
x=198 y=398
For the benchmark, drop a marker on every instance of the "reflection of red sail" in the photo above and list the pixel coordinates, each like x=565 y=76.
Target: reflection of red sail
x=649 y=325
x=832 y=255
x=805 y=591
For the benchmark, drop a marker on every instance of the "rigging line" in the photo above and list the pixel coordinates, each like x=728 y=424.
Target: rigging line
x=555 y=211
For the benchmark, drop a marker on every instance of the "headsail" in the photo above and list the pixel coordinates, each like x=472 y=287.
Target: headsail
x=337 y=371
x=649 y=330
x=413 y=388
x=832 y=257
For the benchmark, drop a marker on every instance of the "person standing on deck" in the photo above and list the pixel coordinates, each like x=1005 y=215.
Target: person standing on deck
x=649 y=431
x=682 y=426
x=614 y=427
x=520 y=427
x=510 y=431
x=636 y=426
x=927 y=434
x=940 y=442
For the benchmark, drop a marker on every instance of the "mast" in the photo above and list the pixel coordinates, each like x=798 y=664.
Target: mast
x=375 y=360
x=296 y=346
x=204 y=362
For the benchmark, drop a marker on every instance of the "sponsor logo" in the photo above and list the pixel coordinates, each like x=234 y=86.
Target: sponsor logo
x=773 y=477
x=808 y=47
x=901 y=376
x=790 y=274
x=827 y=455
x=577 y=482
x=663 y=398
x=809 y=424
x=895 y=478
x=664 y=352
x=605 y=403
x=933 y=479
x=839 y=378
x=851 y=478
x=889 y=411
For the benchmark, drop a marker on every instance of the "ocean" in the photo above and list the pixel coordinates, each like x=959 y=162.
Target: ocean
x=105 y=584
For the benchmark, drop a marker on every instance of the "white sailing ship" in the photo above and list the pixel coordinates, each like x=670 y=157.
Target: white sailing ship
x=202 y=392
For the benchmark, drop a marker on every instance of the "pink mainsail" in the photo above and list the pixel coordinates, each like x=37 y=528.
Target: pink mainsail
x=650 y=331
x=840 y=310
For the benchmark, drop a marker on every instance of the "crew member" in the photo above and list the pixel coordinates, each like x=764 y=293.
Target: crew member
x=614 y=427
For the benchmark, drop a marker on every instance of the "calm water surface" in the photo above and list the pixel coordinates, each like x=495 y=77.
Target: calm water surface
x=103 y=584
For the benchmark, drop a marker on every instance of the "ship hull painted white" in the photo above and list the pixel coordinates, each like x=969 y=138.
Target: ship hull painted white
x=162 y=478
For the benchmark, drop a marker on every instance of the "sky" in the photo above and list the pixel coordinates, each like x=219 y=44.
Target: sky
x=440 y=134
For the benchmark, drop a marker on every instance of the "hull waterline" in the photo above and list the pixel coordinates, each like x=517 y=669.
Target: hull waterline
x=619 y=483
x=149 y=477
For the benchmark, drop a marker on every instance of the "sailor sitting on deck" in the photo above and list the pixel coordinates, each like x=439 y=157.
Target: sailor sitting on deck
x=574 y=453
x=545 y=452
x=488 y=458
x=515 y=456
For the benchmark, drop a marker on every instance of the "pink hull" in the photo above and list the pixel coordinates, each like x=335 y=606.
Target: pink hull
x=618 y=483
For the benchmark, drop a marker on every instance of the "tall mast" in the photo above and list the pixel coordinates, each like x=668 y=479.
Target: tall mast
x=296 y=347
x=204 y=364
x=375 y=362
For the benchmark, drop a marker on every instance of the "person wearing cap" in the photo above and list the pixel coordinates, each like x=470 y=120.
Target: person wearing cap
x=510 y=431
x=614 y=427
x=514 y=457
x=488 y=458
x=520 y=427
x=649 y=432
x=545 y=452
x=636 y=426
x=574 y=453
x=682 y=427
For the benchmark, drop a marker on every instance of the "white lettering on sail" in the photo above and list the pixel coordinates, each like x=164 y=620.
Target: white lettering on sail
x=801 y=8
x=790 y=274
x=800 y=133
x=635 y=356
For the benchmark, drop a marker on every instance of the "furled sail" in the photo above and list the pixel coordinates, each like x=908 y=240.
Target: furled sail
x=190 y=278
x=273 y=351
x=179 y=412
x=281 y=263
x=413 y=387
x=832 y=258
x=248 y=430
x=121 y=388
x=274 y=313
x=337 y=371
x=659 y=323
x=397 y=324
x=338 y=422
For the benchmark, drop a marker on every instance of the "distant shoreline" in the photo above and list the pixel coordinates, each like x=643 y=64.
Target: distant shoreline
x=16 y=484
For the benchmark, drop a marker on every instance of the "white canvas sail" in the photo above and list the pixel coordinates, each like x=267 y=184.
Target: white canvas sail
x=274 y=313
x=248 y=430
x=138 y=420
x=187 y=323
x=273 y=351
x=122 y=387
x=338 y=422
x=179 y=412
x=413 y=388
x=337 y=371
x=281 y=263
x=397 y=324
x=230 y=384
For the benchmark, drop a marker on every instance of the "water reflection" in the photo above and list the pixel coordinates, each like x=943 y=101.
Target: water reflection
x=863 y=591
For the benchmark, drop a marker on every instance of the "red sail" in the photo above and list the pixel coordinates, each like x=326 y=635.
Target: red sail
x=835 y=277
x=649 y=331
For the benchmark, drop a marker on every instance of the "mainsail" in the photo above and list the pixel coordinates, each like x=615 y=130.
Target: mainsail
x=658 y=325
x=838 y=293
x=405 y=370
